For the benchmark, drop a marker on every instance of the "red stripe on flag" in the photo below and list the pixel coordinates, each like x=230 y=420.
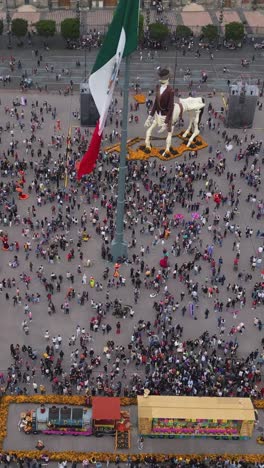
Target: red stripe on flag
x=89 y=159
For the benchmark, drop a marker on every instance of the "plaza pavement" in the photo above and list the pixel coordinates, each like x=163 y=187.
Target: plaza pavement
x=12 y=317
x=142 y=70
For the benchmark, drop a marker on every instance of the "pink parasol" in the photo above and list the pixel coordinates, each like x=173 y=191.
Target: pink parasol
x=178 y=216
x=195 y=215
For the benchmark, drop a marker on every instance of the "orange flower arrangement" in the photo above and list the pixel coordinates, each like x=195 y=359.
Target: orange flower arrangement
x=140 y=98
x=157 y=152
x=258 y=404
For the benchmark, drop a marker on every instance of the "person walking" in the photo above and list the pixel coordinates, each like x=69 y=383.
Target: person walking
x=35 y=387
x=118 y=328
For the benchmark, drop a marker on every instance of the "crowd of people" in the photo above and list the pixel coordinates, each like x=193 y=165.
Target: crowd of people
x=194 y=255
x=93 y=39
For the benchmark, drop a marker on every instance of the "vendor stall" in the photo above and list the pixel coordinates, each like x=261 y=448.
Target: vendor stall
x=169 y=416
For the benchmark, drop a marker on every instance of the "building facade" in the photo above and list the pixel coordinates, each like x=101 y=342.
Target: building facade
x=57 y=4
x=91 y=4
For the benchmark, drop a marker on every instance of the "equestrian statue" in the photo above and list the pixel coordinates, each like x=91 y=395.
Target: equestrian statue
x=165 y=113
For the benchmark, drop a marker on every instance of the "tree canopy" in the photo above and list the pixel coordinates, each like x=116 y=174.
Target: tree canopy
x=19 y=27
x=46 y=28
x=158 y=32
x=234 y=31
x=183 y=31
x=210 y=32
x=70 y=28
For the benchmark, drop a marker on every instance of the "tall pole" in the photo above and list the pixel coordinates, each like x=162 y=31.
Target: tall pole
x=78 y=12
x=119 y=245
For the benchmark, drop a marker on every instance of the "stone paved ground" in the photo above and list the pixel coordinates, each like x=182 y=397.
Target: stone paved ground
x=142 y=71
x=12 y=317
x=11 y=331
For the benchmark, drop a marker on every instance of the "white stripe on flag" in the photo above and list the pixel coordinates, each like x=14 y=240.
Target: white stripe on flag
x=102 y=82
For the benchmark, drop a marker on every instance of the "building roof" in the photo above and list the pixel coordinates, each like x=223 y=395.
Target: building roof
x=254 y=19
x=229 y=16
x=193 y=7
x=198 y=18
x=106 y=408
x=213 y=408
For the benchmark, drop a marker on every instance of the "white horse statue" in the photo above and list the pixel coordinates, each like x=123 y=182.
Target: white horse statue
x=194 y=107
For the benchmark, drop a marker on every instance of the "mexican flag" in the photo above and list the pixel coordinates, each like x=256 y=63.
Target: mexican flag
x=120 y=41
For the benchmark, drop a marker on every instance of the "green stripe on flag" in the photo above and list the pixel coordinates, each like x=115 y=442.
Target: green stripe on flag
x=125 y=16
x=131 y=27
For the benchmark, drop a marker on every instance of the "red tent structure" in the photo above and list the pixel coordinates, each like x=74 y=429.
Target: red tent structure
x=106 y=409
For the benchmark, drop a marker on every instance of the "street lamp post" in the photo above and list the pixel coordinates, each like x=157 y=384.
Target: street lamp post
x=148 y=16
x=221 y=18
x=78 y=11
x=83 y=31
x=8 y=20
x=175 y=67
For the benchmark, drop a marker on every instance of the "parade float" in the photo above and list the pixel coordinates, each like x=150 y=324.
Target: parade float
x=57 y=420
x=178 y=417
x=105 y=417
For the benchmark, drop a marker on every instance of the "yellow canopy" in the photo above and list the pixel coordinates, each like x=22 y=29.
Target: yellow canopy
x=181 y=407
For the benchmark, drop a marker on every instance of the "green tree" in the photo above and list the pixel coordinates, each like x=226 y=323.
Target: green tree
x=210 y=32
x=141 y=28
x=1 y=26
x=183 y=31
x=158 y=32
x=46 y=28
x=70 y=28
x=234 y=31
x=19 y=27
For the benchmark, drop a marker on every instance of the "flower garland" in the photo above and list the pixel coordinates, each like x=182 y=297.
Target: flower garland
x=78 y=457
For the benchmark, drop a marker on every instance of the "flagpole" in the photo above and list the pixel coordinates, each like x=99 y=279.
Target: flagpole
x=119 y=245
